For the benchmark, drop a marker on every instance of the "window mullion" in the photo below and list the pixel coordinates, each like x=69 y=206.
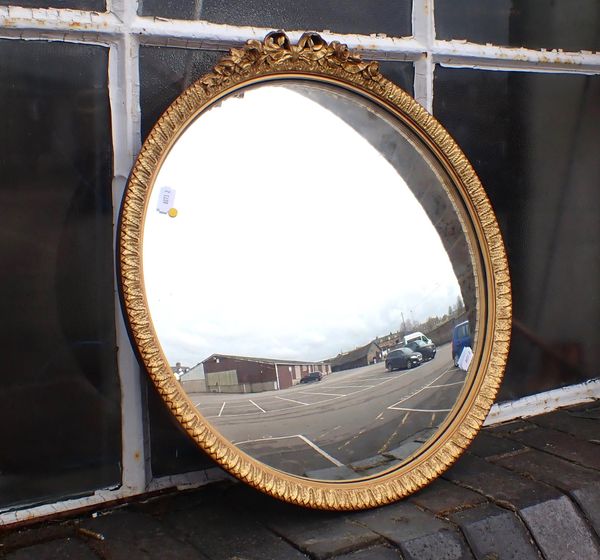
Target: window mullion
x=424 y=33
x=125 y=111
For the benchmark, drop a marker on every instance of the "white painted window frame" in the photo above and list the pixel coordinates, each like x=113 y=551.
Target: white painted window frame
x=123 y=31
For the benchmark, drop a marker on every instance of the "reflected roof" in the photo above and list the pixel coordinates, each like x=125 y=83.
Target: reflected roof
x=262 y=360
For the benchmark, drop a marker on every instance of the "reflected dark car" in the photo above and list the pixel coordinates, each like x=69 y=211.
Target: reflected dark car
x=403 y=358
x=313 y=376
x=428 y=349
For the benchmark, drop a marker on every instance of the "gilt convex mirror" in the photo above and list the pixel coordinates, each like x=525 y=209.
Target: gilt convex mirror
x=313 y=277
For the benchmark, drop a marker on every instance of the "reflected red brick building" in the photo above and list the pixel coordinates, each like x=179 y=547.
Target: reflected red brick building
x=240 y=374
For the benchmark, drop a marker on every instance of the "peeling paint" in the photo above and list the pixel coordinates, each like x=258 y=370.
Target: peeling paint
x=462 y=53
x=542 y=403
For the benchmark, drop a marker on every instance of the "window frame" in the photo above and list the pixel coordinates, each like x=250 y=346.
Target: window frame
x=123 y=32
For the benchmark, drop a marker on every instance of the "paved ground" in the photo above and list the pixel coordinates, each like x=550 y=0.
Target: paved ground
x=525 y=490
x=349 y=419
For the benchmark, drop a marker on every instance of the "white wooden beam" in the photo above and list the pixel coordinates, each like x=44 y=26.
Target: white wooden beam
x=542 y=403
x=203 y=34
x=109 y=496
x=124 y=86
x=424 y=30
x=470 y=55
x=54 y=24
x=95 y=27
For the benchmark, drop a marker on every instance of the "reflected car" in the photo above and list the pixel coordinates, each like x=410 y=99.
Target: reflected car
x=406 y=340
x=428 y=349
x=402 y=358
x=461 y=337
x=312 y=376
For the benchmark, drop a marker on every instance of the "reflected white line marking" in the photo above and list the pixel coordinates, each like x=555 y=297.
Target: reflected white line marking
x=393 y=407
x=221 y=411
x=322 y=452
x=216 y=404
x=259 y=408
x=304 y=439
x=446 y=385
x=421 y=409
x=352 y=386
x=326 y=394
x=380 y=415
x=292 y=400
x=268 y=438
x=360 y=389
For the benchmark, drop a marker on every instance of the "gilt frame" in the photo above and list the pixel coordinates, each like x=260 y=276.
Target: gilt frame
x=312 y=58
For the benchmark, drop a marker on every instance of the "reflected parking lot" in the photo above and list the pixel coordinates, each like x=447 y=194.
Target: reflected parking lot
x=349 y=424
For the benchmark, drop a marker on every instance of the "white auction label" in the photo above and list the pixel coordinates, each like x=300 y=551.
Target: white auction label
x=166 y=200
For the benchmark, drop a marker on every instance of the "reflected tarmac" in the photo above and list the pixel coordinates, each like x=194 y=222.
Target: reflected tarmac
x=349 y=425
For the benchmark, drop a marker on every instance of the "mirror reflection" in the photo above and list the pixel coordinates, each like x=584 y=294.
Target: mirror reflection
x=309 y=279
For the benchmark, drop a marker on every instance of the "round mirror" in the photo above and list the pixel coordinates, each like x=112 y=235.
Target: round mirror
x=314 y=278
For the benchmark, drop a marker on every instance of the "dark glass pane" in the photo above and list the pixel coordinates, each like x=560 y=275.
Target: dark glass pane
x=172 y=450
x=351 y=16
x=401 y=73
x=535 y=24
x=165 y=73
x=92 y=5
x=534 y=141
x=59 y=392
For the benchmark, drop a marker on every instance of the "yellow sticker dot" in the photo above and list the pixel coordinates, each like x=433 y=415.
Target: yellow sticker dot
x=172 y=212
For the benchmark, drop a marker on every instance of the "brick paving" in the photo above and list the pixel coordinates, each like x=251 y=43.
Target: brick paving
x=529 y=489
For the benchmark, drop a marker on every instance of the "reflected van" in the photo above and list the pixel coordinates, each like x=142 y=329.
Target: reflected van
x=415 y=336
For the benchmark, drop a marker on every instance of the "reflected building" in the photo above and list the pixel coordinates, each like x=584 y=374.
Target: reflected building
x=363 y=356
x=240 y=374
x=390 y=341
x=194 y=379
x=442 y=333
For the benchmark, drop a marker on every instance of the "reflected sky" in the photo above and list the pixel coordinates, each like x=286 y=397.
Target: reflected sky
x=294 y=237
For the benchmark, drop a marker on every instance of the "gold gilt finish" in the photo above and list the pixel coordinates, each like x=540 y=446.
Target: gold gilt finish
x=312 y=58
